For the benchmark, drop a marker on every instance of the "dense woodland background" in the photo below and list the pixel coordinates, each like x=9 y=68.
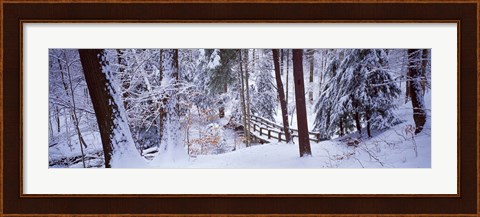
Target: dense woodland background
x=239 y=108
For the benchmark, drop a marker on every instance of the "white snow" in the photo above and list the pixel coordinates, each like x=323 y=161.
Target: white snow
x=208 y=143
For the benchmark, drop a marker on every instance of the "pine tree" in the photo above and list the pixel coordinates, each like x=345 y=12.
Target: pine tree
x=382 y=90
x=326 y=118
x=360 y=86
x=264 y=97
x=221 y=75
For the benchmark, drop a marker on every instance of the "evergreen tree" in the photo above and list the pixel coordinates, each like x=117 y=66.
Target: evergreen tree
x=221 y=75
x=360 y=86
x=265 y=94
x=326 y=118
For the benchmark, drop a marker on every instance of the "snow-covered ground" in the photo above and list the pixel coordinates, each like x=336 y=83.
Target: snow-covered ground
x=209 y=143
x=393 y=148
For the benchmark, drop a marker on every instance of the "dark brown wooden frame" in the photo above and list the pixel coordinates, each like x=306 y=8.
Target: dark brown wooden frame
x=14 y=203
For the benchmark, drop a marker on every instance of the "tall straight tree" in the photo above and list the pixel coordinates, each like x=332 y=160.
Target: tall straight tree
x=286 y=77
x=304 y=142
x=247 y=96
x=172 y=146
x=242 y=99
x=416 y=90
x=118 y=146
x=281 y=95
x=424 y=81
x=222 y=75
x=311 y=60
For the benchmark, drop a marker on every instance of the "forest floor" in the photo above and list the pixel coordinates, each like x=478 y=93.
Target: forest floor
x=389 y=149
x=393 y=148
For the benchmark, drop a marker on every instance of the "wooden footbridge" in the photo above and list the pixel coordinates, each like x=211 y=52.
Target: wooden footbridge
x=267 y=131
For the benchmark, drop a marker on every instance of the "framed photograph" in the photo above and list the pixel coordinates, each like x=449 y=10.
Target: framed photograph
x=162 y=108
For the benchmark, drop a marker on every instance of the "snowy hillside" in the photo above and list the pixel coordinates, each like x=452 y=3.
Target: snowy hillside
x=227 y=108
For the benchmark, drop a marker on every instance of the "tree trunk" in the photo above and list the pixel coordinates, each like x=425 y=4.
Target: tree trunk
x=424 y=80
x=341 y=127
x=415 y=73
x=324 y=65
x=176 y=75
x=247 y=100
x=407 y=88
x=281 y=96
x=121 y=70
x=304 y=142
x=50 y=127
x=286 y=79
x=116 y=138
x=281 y=61
x=242 y=99
x=369 y=133
x=312 y=60
x=407 y=80
x=221 y=110
x=67 y=129
x=357 y=122
x=57 y=116
x=162 y=115
x=172 y=144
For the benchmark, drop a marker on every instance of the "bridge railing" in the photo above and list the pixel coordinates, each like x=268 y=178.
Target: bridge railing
x=269 y=133
x=278 y=130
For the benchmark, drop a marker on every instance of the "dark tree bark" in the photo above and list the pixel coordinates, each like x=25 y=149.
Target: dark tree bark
x=424 y=80
x=356 y=114
x=312 y=61
x=407 y=81
x=161 y=107
x=286 y=75
x=282 y=55
x=407 y=88
x=176 y=75
x=57 y=116
x=281 y=95
x=107 y=110
x=50 y=126
x=247 y=97
x=304 y=142
x=121 y=69
x=357 y=122
x=415 y=74
x=341 y=127
x=369 y=133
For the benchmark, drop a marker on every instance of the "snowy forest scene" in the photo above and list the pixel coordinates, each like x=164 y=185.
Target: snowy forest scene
x=239 y=108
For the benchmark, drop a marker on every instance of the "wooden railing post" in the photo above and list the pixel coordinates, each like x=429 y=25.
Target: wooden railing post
x=258 y=122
